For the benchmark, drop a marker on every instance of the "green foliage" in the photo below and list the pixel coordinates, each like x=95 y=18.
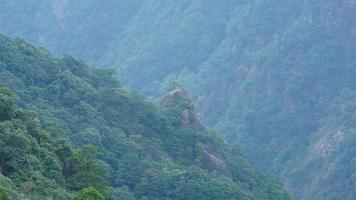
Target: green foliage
x=39 y=163
x=88 y=172
x=89 y=194
x=123 y=193
x=6 y=110
x=129 y=148
x=274 y=77
x=3 y=194
x=27 y=155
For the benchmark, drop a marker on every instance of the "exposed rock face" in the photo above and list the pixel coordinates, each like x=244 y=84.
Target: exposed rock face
x=215 y=163
x=328 y=143
x=179 y=97
x=173 y=96
x=181 y=103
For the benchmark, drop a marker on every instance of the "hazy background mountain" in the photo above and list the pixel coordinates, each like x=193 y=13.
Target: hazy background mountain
x=277 y=78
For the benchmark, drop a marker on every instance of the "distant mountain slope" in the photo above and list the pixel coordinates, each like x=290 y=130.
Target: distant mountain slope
x=82 y=28
x=286 y=87
x=167 y=35
x=149 y=152
x=277 y=78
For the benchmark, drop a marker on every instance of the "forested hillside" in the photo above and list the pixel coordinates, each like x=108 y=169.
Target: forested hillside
x=37 y=163
x=275 y=78
x=127 y=147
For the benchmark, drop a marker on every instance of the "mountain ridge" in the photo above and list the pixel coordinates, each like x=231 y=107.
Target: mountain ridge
x=148 y=153
x=275 y=78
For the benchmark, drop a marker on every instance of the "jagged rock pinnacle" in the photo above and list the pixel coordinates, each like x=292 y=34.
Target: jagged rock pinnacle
x=179 y=97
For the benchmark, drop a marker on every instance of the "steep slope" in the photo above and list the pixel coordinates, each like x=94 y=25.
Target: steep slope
x=286 y=85
x=29 y=162
x=39 y=163
x=149 y=152
x=275 y=77
x=68 y=26
x=167 y=37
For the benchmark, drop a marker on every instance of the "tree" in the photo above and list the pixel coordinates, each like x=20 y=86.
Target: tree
x=6 y=106
x=172 y=85
x=89 y=194
x=123 y=193
x=3 y=195
x=88 y=172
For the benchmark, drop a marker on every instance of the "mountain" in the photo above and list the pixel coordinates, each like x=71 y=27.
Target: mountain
x=288 y=93
x=276 y=78
x=166 y=36
x=38 y=162
x=123 y=146
x=28 y=157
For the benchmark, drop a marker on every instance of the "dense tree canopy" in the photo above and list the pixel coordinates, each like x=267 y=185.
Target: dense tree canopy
x=89 y=194
x=37 y=162
x=275 y=78
x=124 y=146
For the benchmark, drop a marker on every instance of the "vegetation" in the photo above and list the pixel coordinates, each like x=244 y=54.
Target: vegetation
x=274 y=78
x=123 y=146
x=89 y=194
x=3 y=194
x=36 y=161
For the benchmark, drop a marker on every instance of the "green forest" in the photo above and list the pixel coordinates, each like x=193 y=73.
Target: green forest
x=270 y=84
x=70 y=132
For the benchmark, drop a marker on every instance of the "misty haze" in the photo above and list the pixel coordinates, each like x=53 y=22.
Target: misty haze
x=178 y=100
